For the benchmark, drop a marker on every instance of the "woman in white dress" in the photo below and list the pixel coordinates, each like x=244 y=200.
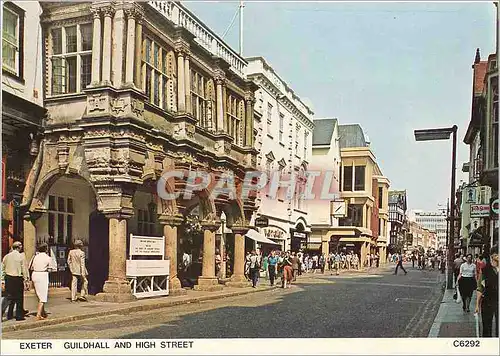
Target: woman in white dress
x=40 y=264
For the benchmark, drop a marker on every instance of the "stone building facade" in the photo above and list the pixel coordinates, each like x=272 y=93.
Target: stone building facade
x=134 y=90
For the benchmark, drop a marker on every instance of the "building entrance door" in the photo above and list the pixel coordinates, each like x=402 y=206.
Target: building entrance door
x=98 y=251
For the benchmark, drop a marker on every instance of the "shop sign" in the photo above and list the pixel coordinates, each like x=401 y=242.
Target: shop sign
x=262 y=221
x=274 y=234
x=479 y=210
x=299 y=235
x=494 y=209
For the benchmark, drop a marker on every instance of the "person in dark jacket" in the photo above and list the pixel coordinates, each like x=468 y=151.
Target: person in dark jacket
x=295 y=266
x=487 y=294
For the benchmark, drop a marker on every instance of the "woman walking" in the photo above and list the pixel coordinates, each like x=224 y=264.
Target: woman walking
x=487 y=294
x=287 y=271
x=40 y=264
x=467 y=282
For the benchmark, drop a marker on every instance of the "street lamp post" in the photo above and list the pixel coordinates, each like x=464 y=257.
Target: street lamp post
x=223 y=246
x=444 y=134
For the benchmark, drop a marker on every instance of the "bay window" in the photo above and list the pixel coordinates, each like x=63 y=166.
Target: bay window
x=12 y=39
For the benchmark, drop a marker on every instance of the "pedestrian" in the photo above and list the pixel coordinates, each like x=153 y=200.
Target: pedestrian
x=16 y=279
x=300 y=256
x=295 y=266
x=218 y=264
x=413 y=259
x=480 y=264
x=76 y=263
x=337 y=262
x=456 y=266
x=41 y=264
x=377 y=260
x=467 y=282
x=272 y=266
x=399 y=261
x=186 y=261
x=254 y=268
x=315 y=263
x=287 y=271
x=247 y=266
x=487 y=294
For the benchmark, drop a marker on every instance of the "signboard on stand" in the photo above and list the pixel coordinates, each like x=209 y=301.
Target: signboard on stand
x=148 y=278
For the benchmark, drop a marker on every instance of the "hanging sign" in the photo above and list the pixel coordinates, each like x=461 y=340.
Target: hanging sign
x=479 y=210
x=261 y=221
x=494 y=209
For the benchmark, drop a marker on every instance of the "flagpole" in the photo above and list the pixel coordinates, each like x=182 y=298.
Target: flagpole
x=241 y=27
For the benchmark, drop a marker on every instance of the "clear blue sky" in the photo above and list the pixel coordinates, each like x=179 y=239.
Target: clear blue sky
x=391 y=67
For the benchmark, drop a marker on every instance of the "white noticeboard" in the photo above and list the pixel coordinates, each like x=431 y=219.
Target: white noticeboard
x=147 y=246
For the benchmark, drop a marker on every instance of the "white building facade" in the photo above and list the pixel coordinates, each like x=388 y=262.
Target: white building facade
x=283 y=136
x=435 y=222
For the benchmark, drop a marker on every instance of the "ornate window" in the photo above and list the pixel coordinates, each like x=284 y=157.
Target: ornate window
x=306 y=138
x=159 y=75
x=235 y=115
x=269 y=115
x=71 y=58
x=198 y=97
x=60 y=213
x=12 y=39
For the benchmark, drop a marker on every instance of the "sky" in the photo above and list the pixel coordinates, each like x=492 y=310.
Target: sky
x=391 y=67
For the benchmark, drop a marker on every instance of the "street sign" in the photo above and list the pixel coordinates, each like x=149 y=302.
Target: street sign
x=262 y=221
x=470 y=195
x=479 y=210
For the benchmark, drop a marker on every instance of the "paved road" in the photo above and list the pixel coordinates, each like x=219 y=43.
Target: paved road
x=320 y=306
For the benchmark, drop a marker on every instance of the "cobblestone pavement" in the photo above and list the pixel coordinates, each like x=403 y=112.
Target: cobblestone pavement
x=373 y=304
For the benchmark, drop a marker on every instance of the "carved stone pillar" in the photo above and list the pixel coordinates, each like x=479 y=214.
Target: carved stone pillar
x=249 y=118
x=131 y=43
x=117 y=61
x=238 y=278
x=96 y=48
x=170 y=225
x=219 y=80
x=29 y=235
x=208 y=281
x=181 y=83
x=187 y=79
x=138 y=52
x=116 y=288
x=106 y=45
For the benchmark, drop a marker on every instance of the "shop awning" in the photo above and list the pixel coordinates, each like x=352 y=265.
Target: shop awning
x=257 y=236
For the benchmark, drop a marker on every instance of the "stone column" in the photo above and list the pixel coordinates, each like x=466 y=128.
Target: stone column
x=117 y=61
x=181 y=83
x=106 y=46
x=249 y=101
x=362 y=258
x=96 y=48
x=208 y=281
x=116 y=288
x=29 y=235
x=130 y=58
x=187 y=80
x=238 y=278
x=171 y=239
x=325 y=249
x=138 y=53
x=219 y=80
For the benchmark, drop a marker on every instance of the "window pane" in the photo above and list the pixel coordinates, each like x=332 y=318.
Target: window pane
x=155 y=54
x=52 y=202
x=86 y=32
x=58 y=76
x=70 y=39
x=9 y=26
x=71 y=77
x=359 y=178
x=60 y=204
x=70 y=206
x=69 y=227
x=148 y=50
x=148 y=82
x=347 y=178
x=380 y=197
x=156 y=93
x=57 y=41
x=52 y=224
x=60 y=228
x=165 y=94
x=9 y=55
x=86 y=71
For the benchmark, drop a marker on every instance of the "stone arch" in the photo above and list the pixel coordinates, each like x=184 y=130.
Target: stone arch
x=48 y=180
x=206 y=205
x=300 y=224
x=234 y=212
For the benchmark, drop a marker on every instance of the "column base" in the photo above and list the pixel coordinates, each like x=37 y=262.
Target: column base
x=116 y=292
x=210 y=284
x=238 y=281
x=175 y=287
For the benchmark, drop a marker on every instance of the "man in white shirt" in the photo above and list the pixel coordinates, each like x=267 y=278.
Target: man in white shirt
x=16 y=277
x=76 y=263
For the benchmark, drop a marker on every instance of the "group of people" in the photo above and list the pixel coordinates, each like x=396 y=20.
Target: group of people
x=480 y=274
x=428 y=261
x=338 y=261
x=18 y=277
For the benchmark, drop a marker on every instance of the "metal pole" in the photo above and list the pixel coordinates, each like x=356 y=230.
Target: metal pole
x=451 y=242
x=241 y=27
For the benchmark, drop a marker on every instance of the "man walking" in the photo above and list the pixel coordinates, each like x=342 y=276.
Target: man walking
x=76 y=263
x=254 y=268
x=295 y=266
x=399 y=262
x=16 y=278
x=272 y=263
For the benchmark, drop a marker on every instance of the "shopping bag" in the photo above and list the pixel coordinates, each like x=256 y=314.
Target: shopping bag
x=459 y=297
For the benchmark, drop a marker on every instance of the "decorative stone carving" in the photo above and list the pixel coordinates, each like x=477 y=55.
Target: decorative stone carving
x=149 y=167
x=97 y=102
x=62 y=157
x=137 y=107
x=118 y=106
x=190 y=130
x=108 y=11
x=227 y=147
x=96 y=133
